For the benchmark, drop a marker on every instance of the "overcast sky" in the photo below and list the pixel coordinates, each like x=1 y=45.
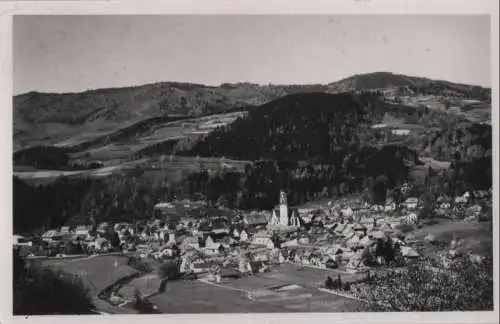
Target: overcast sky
x=77 y=53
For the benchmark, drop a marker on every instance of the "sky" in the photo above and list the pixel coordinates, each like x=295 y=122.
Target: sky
x=78 y=53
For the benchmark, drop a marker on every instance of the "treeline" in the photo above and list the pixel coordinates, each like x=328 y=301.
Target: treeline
x=444 y=88
x=469 y=148
x=48 y=157
x=349 y=172
x=85 y=200
x=462 y=143
x=47 y=206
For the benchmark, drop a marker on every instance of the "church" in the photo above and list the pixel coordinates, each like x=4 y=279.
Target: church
x=283 y=216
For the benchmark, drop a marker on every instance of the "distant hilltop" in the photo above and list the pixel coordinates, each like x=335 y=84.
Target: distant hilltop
x=58 y=116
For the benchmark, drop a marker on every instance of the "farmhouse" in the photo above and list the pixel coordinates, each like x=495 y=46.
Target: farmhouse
x=401 y=132
x=263 y=239
x=83 y=231
x=411 y=203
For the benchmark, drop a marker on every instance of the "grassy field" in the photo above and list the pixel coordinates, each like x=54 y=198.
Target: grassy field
x=255 y=294
x=97 y=273
x=175 y=167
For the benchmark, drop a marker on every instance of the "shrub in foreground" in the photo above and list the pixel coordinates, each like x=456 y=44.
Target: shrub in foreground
x=44 y=291
x=428 y=286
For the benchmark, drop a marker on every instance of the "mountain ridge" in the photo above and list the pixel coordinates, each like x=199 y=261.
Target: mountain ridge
x=242 y=83
x=51 y=118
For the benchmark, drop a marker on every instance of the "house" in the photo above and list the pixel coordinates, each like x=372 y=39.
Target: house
x=83 y=230
x=409 y=253
x=474 y=210
x=411 y=218
x=386 y=227
x=411 y=203
x=101 y=244
x=255 y=219
x=360 y=230
x=21 y=241
x=190 y=242
x=347 y=212
x=303 y=239
x=390 y=206
x=64 y=230
x=103 y=227
x=401 y=132
x=445 y=205
x=339 y=229
x=353 y=241
x=263 y=239
x=243 y=236
x=291 y=243
x=366 y=242
x=282 y=215
x=51 y=236
x=209 y=242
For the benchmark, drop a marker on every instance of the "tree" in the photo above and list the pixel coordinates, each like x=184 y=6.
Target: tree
x=169 y=270
x=428 y=286
x=115 y=240
x=427 y=210
x=276 y=239
x=44 y=291
x=379 y=190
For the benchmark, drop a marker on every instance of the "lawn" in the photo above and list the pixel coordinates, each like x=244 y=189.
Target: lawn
x=255 y=294
x=96 y=272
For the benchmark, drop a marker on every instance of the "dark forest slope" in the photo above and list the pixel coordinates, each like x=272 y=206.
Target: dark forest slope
x=296 y=127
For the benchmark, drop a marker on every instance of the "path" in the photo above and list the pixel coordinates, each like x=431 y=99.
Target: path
x=208 y=282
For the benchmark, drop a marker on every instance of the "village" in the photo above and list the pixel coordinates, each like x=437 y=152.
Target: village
x=346 y=239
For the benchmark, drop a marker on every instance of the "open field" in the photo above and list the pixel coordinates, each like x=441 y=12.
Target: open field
x=125 y=141
x=419 y=172
x=97 y=273
x=175 y=166
x=286 y=289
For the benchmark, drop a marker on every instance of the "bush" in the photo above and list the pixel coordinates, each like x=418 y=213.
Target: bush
x=405 y=228
x=44 y=291
x=138 y=264
x=169 y=270
x=427 y=286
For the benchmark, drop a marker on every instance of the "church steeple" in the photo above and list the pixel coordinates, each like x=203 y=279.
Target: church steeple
x=283 y=200
x=283 y=209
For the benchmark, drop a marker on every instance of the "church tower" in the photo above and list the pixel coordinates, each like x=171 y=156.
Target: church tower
x=283 y=209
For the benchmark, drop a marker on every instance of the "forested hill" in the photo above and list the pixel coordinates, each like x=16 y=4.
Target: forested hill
x=45 y=119
x=297 y=127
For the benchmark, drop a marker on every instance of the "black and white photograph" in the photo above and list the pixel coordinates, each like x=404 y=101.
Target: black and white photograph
x=218 y=163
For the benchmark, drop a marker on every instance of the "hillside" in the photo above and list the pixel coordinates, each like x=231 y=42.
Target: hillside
x=311 y=144
x=47 y=119
x=409 y=85
x=298 y=127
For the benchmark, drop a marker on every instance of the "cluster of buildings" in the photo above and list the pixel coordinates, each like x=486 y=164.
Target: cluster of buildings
x=346 y=234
